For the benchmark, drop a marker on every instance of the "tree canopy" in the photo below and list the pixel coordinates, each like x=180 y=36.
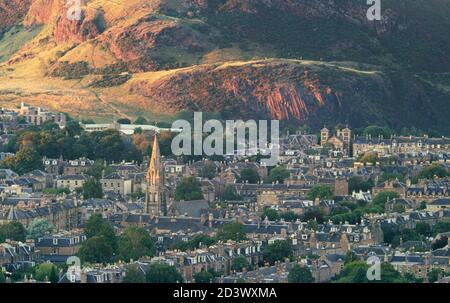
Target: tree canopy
x=188 y=189
x=163 y=273
x=134 y=243
x=299 y=274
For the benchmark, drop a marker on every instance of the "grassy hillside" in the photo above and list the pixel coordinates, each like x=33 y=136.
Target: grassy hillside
x=13 y=39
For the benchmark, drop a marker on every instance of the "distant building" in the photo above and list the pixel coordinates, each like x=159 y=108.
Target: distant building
x=341 y=141
x=155 y=194
x=38 y=116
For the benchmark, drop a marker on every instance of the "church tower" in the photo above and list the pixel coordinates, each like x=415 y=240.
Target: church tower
x=155 y=194
x=324 y=136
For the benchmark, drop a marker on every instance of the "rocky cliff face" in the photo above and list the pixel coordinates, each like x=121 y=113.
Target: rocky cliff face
x=12 y=12
x=225 y=46
x=90 y=25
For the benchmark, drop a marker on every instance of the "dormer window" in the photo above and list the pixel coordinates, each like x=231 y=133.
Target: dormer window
x=55 y=241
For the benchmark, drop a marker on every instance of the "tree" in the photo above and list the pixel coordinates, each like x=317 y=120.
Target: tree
x=355 y=184
x=271 y=214
x=439 y=243
x=430 y=172
x=47 y=272
x=25 y=160
x=73 y=128
x=134 y=243
x=234 y=231
x=134 y=274
x=195 y=243
x=140 y=141
x=354 y=272
x=163 y=273
x=96 y=250
x=376 y=131
x=313 y=214
x=98 y=169
x=289 y=216
x=434 y=275
x=203 y=277
x=189 y=189
x=229 y=193
x=97 y=226
x=278 y=174
x=240 y=263
x=38 y=228
x=140 y=121
x=423 y=229
x=350 y=256
x=208 y=170
x=13 y=231
x=321 y=192
x=250 y=175
x=124 y=121
x=92 y=188
x=380 y=200
x=2 y=277
x=278 y=251
x=441 y=227
x=299 y=274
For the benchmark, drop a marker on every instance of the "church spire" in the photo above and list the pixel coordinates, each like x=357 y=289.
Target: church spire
x=155 y=190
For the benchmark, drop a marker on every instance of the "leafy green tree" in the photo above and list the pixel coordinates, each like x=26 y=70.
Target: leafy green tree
x=208 y=170
x=350 y=256
x=271 y=214
x=163 y=273
x=134 y=243
x=423 y=229
x=234 y=231
x=203 y=277
x=321 y=192
x=249 y=175
x=299 y=274
x=25 y=160
x=189 y=189
x=96 y=250
x=380 y=200
x=2 y=277
x=134 y=274
x=434 y=275
x=356 y=184
x=440 y=243
x=289 y=216
x=431 y=171
x=194 y=243
x=124 y=121
x=441 y=227
x=38 y=228
x=98 y=169
x=13 y=231
x=278 y=251
x=240 y=263
x=279 y=173
x=410 y=278
x=97 y=226
x=354 y=272
x=229 y=193
x=376 y=131
x=73 y=128
x=140 y=121
x=314 y=214
x=47 y=272
x=92 y=188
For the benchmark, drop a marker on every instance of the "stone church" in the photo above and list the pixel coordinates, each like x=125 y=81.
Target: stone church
x=155 y=194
